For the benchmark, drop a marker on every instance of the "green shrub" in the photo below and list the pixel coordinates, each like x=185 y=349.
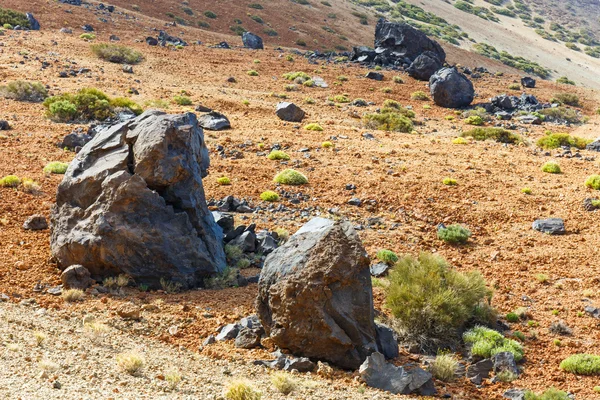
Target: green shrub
x=565 y=80
x=290 y=177
x=210 y=14
x=182 y=100
x=33 y=92
x=10 y=181
x=430 y=301
x=269 y=195
x=526 y=190
x=449 y=181
x=497 y=134
x=340 y=98
x=13 y=18
x=227 y=278
x=514 y=86
x=561 y=114
x=387 y=256
x=460 y=140
x=278 y=155
x=474 y=120
x=593 y=182
x=419 y=95
x=224 y=181
x=454 y=234
x=313 y=126
x=444 y=367
x=87 y=36
x=298 y=77
x=551 y=168
x=581 y=364
x=512 y=317
x=398 y=79
x=327 y=145
x=87 y=104
x=549 y=394
x=486 y=342
x=252 y=73
x=116 y=53
x=390 y=119
x=569 y=99
x=556 y=140
x=256 y=6
x=233 y=253
x=56 y=167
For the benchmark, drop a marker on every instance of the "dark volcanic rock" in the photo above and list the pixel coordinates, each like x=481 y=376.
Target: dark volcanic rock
x=34 y=25
x=551 y=226
x=397 y=41
x=214 y=121
x=528 y=82
x=165 y=39
x=289 y=112
x=387 y=343
x=451 y=89
x=132 y=202
x=424 y=66
x=151 y=41
x=4 y=125
x=315 y=297
x=594 y=146
x=479 y=371
x=376 y=76
x=36 y=222
x=252 y=41
x=378 y=373
x=74 y=140
x=76 y=277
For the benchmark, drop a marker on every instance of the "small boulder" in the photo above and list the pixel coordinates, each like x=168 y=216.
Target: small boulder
x=74 y=140
x=528 y=82
x=214 y=121
x=4 y=125
x=551 y=226
x=505 y=361
x=34 y=25
x=128 y=69
x=387 y=342
x=424 y=66
x=289 y=112
x=252 y=41
x=151 y=41
x=451 y=89
x=594 y=146
x=378 y=373
x=228 y=332
x=479 y=371
x=76 y=277
x=36 y=222
x=514 y=394
x=379 y=269
x=376 y=76
x=248 y=338
x=129 y=311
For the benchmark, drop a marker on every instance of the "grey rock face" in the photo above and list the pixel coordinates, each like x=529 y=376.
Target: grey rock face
x=594 y=146
x=132 y=202
x=315 y=297
x=379 y=269
x=551 y=226
x=505 y=361
x=34 y=25
x=514 y=394
x=289 y=112
x=228 y=332
x=424 y=66
x=252 y=41
x=387 y=344
x=76 y=277
x=71 y=2
x=399 y=40
x=451 y=89
x=74 y=140
x=287 y=363
x=214 y=121
x=528 y=82
x=378 y=373
x=479 y=371
x=376 y=76
x=248 y=338
x=35 y=222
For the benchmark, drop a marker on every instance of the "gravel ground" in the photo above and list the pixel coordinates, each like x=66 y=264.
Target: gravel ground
x=71 y=362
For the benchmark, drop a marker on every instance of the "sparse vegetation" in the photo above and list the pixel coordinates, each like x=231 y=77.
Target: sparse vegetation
x=278 y=155
x=430 y=301
x=56 y=167
x=581 y=364
x=33 y=92
x=283 y=382
x=116 y=53
x=486 y=342
x=269 y=195
x=566 y=81
x=87 y=36
x=13 y=18
x=170 y=287
x=497 y=134
x=390 y=119
x=556 y=140
x=549 y=394
x=130 y=362
x=449 y=181
x=72 y=295
x=454 y=234
x=593 y=182
x=561 y=114
x=11 y=181
x=444 y=367
x=419 y=95
x=569 y=99
x=313 y=126
x=290 y=177
x=474 y=120
x=223 y=181
x=387 y=256
x=182 y=100
x=551 y=168
x=241 y=390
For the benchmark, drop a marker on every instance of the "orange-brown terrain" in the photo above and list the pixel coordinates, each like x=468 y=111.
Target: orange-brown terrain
x=398 y=177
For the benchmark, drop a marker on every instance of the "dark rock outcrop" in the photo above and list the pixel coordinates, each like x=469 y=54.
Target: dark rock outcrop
x=34 y=25
x=214 y=121
x=376 y=76
x=528 y=82
x=315 y=297
x=289 y=112
x=397 y=41
x=594 y=146
x=424 y=66
x=252 y=41
x=132 y=202
x=451 y=89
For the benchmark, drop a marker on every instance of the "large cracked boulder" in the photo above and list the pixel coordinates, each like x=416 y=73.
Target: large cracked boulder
x=399 y=40
x=424 y=66
x=132 y=202
x=315 y=297
x=451 y=89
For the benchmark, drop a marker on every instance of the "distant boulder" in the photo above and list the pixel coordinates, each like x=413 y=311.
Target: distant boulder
x=289 y=112
x=34 y=25
x=398 y=40
x=376 y=76
x=424 y=66
x=214 y=121
x=451 y=89
x=528 y=82
x=252 y=41
x=594 y=146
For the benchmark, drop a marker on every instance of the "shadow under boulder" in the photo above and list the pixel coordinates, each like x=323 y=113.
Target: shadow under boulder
x=132 y=202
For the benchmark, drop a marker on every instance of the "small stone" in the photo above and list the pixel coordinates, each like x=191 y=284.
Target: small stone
x=229 y=332
x=129 y=311
x=551 y=226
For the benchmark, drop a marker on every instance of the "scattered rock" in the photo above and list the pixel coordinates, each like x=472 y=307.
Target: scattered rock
x=479 y=371
x=228 y=332
x=129 y=311
x=151 y=41
x=209 y=340
x=387 y=341
x=88 y=28
x=248 y=338
x=594 y=146
x=252 y=41
x=74 y=140
x=289 y=112
x=133 y=203
x=528 y=82
x=76 y=277
x=514 y=394
x=67 y=31
x=451 y=89
x=551 y=226
x=288 y=363
x=36 y=222
x=164 y=39
x=505 y=361
x=379 y=269
x=376 y=76
x=588 y=204
x=592 y=311
x=378 y=373
x=4 y=125
x=320 y=279
x=214 y=121
x=34 y=25
x=128 y=69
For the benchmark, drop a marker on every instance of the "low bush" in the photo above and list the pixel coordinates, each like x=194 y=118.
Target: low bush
x=551 y=168
x=430 y=301
x=313 y=126
x=454 y=234
x=13 y=18
x=460 y=140
x=549 y=394
x=565 y=80
x=33 y=92
x=398 y=79
x=581 y=364
x=419 y=95
x=526 y=190
x=182 y=100
x=593 y=182
x=278 y=155
x=11 y=181
x=561 y=114
x=474 y=120
x=224 y=181
x=252 y=73
x=514 y=86
x=486 y=342
x=298 y=77
x=210 y=14
x=444 y=367
x=72 y=295
x=569 y=99
x=241 y=390
x=85 y=105
x=387 y=256
x=390 y=119
x=130 y=362
x=556 y=140
x=290 y=177
x=327 y=145
x=269 y=195
x=497 y=134
x=56 y=167
x=117 y=54
x=512 y=317
x=283 y=382
x=87 y=36
x=449 y=181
